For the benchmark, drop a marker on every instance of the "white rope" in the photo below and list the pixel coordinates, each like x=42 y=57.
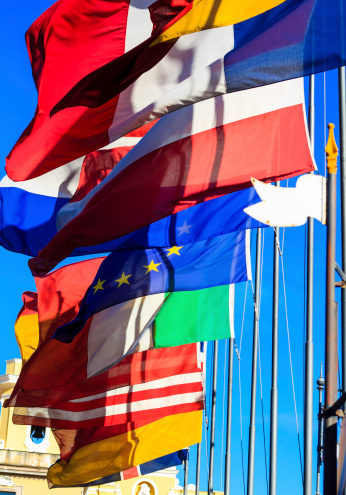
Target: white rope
x=264 y=437
x=241 y=427
x=290 y=356
x=242 y=323
x=223 y=414
x=206 y=444
x=238 y=351
x=257 y=314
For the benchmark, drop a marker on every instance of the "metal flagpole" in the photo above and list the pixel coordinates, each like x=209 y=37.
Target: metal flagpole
x=212 y=422
x=342 y=119
x=186 y=472
x=309 y=346
x=320 y=387
x=252 y=428
x=198 y=467
x=230 y=390
x=331 y=345
x=274 y=389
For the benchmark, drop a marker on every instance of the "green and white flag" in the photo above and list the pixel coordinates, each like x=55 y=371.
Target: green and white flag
x=159 y=320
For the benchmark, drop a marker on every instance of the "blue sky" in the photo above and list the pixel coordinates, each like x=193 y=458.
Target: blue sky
x=18 y=103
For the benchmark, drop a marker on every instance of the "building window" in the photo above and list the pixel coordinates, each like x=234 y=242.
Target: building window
x=37 y=439
x=37 y=434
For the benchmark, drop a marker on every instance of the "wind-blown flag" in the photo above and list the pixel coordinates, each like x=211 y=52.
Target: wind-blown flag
x=167 y=461
x=110 y=450
x=127 y=275
x=293 y=39
x=120 y=415
x=146 y=401
x=189 y=157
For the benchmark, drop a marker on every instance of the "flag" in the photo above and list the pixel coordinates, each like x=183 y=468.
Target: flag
x=294 y=39
x=127 y=275
x=138 y=444
x=26 y=327
x=147 y=401
x=167 y=461
x=188 y=157
x=160 y=390
x=29 y=208
x=291 y=206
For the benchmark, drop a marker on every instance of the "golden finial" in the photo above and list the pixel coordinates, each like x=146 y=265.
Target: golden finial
x=332 y=151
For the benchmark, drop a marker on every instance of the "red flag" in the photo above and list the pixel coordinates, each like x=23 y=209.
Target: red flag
x=68 y=41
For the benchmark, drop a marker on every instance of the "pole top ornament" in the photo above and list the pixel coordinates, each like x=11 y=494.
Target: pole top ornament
x=332 y=151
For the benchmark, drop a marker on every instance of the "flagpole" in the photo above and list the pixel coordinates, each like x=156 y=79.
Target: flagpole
x=320 y=387
x=331 y=346
x=212 y=422
x=309 y=346
x=186 y=472
x=198 y=467
x=252 y=428
x=342 y=120
x=274 y=389
x=230 y=391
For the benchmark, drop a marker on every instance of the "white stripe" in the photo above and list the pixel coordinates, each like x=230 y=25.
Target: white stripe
x=192 y=70
x=120 y=330
x=139 y=25
x=231 y=300
x=122 y=142
x=198 y=118
x=105 y=411
x=186 y=378
x=61 y=182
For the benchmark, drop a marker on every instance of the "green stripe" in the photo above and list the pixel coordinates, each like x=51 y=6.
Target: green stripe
x=193 y=316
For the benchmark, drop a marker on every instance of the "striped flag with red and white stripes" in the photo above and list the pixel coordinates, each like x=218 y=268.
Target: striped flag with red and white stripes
x=146 y=401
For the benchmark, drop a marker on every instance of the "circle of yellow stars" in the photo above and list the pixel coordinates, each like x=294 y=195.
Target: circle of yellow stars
x=152 y=267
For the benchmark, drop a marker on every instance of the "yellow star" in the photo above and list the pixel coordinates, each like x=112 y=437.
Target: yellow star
x=98 y=286
x=123 y=280
x=151 y=267
x=174 y=250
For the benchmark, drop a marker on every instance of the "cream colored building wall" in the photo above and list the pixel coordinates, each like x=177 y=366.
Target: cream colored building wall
x=27 y=486
x=16 y=437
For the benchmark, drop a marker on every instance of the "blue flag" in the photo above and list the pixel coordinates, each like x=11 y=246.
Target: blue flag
x=28 y=217
x=126 y=275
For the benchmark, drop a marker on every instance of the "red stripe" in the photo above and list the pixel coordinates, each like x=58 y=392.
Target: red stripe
x=29 y=304
x=195 y=169
x=107 y=421
x=130 y=397
x=67 y=42
x=132 y=370
x=130 y=473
